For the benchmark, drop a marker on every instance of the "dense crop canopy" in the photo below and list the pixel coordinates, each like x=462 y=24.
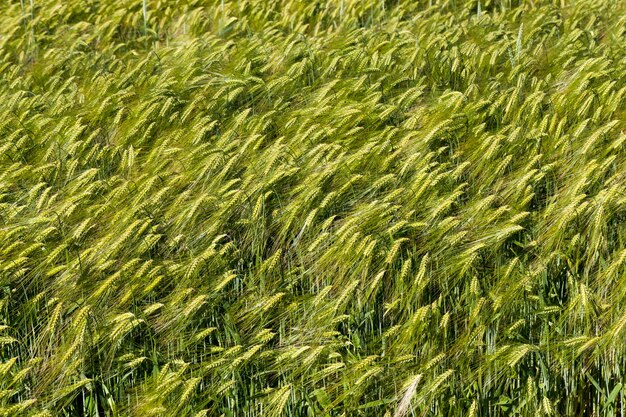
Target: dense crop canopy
x=312 y=208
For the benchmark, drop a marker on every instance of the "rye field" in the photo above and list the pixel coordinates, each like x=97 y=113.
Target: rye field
x=325 y=208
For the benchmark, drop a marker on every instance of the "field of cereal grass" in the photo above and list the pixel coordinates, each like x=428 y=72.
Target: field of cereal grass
x=312 y=208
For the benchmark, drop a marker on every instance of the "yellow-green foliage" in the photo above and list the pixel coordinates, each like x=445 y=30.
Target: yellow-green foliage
x=312 y=208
